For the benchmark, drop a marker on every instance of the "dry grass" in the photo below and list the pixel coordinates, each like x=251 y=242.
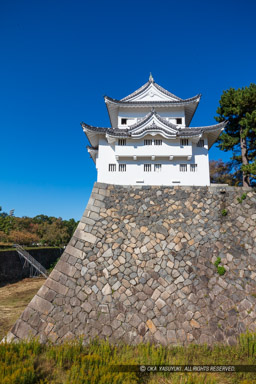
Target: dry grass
x=13 y=300
x=28 y=363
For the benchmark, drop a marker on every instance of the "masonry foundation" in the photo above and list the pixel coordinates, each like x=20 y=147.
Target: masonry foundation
x=140 y=267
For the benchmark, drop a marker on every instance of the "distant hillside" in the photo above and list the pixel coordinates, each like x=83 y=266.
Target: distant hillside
x=38 y=230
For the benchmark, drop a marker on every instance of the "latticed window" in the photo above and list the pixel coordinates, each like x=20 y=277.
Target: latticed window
x=184 y=142
x=147 y=167
x=183 y=167
x=122 y=167
x=158 y=142
x=147 y=142
x=193 y=167
x=200 y=143
x=112 y=167
x=121 y=141
x=157 y=167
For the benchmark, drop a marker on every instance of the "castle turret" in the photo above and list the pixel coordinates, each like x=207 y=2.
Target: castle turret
x=150 y=141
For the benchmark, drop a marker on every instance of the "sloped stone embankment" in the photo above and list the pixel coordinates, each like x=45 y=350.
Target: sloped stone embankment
x=140 y=267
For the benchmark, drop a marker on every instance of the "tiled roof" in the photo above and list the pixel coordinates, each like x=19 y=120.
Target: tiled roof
x=95 y=129
x=152 y=103
x=194 y=131
x=111 y=131
x=150 y=128
x=145 y=87
x=116 y=132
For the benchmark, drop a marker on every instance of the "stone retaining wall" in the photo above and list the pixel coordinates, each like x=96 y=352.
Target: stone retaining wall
x=140 y=267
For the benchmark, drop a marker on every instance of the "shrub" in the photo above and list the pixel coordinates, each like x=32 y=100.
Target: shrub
x=221 y=270
x=240 y=199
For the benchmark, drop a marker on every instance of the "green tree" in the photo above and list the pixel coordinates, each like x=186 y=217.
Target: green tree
x=238 y=109
x=6 y=222
x=221 y=173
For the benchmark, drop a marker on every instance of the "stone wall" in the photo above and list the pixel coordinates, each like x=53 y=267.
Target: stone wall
x=11 y=267
x=140 y=267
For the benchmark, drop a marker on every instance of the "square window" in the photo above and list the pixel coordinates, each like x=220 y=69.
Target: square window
x=183 y=167
x=193 y=167
x=112 y=167
x=123 y=121
x=184 y=142
x=157 y=167
x=122 y=167
x=179 y=120
x=147 y=167
x=121 y=141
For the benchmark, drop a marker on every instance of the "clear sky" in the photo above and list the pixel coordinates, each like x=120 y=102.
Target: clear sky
x=59 y=57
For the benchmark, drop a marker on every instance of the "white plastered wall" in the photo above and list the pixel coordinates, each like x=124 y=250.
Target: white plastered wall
x=133 y=117
x=170 y=170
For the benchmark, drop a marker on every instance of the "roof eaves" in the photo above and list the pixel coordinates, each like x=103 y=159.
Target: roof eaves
x=152 y=103
x=199 y=130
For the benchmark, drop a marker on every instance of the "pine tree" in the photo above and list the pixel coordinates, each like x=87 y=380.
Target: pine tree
x=238 y=108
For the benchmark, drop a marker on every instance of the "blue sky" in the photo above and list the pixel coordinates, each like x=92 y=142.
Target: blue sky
x=58 y=59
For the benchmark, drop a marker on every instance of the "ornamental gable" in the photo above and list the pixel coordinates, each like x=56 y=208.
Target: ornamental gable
x=151 y=93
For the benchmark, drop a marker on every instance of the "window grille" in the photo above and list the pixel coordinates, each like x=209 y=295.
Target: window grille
x=122 y=167
x=147 y=142
x=158 y=142
x=179 y=121
x=123 y=121
x=147 y=167
x=112 y=167
x=183 y=167
x=184 y=142
x=157 y=167
x=193 y=167
x=121 y=141
x=200 y=143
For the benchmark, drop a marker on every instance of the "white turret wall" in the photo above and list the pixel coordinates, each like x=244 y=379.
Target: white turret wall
x=169 y=174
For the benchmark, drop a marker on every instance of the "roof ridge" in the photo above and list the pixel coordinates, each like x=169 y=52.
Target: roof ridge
x=138 y=91
x=166 y=92
x=146 y=85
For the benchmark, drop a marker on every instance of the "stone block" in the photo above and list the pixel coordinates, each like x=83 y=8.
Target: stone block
x=194 y=324
x=160 y=338
x=160 y=303
x=66 y=268
x=151 y=326
x=106 y=331
x=106 y=290
x=135 y=321
x=87 y=220
x=41 y=305
x=22 y=330
x=171 y=336
x=108 y=253
x=85 y=236
x=74 y=252
x=97 y=196
x=57 y=287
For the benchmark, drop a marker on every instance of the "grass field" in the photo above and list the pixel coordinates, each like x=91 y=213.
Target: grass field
x=75 y=363
x=13 y=300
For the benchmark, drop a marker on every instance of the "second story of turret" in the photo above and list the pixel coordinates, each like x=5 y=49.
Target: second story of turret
x=133 y=108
